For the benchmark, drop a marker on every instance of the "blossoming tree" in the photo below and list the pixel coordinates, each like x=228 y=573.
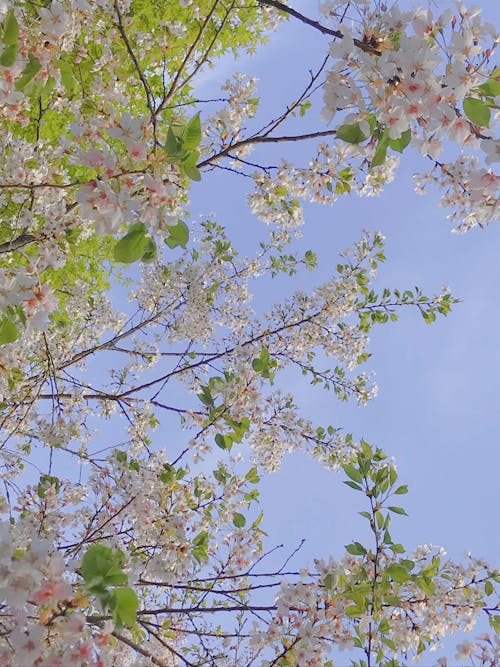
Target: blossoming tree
x=123 y=549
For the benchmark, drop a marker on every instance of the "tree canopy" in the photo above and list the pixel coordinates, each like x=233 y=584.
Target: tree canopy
x=142 y=397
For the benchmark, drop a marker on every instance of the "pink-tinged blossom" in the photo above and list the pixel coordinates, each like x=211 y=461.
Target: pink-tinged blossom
x=51 y=592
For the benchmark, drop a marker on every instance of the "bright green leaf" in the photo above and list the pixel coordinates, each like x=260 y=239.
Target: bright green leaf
x=173 y=145
x=101 y=567
x=67 y=76
x=491 y=88
x=123 y=604
x=193 y=133
x=131 y=247
x=8 y=331
x=252 y=475
x=477 y=111
x=178 y=235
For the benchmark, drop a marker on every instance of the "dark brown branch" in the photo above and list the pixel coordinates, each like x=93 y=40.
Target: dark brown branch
x=364 y=46
x=304 y=19
x=265 y=140
x=121 y=29
x=19 y=242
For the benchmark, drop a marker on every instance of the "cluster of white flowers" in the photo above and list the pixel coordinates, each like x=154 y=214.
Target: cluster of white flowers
x=412 y=73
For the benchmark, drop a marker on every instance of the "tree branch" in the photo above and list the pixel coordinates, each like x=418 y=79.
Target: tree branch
x=364 y=46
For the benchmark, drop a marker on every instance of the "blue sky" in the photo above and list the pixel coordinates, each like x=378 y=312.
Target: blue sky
x=438 y=408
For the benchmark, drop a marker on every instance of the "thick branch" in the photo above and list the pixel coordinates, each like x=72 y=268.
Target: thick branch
x=265 y=140
x=19 y=242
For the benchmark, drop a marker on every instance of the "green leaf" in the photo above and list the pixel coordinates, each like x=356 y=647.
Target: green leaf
x=488 y=588
x=200 y=546
x=173 y=145
x=257 y=521
x=407 y=564
x=8 y=57
x=193 y=133
x=384 y=626
x=29 y=73
x=330 y=581
x=123 y=604
x=252 y=475
x=353 y=611
x=401 y=489
x=45 y=482
x=356 y=549
x=67 y=77
x=257 y=365
x=353 y=473
x=353 y=485
x=8 y=331
x=491 y=88
x=304 y=107
x=179 y=235
x=150 y=253
x=494 y=622
x=121 y=456
x=397 y=573
x=426 y=584
x=477 y=111
x=397 y=510
x=352 y=134
x=11 y=29
x=167 y=475
x=191 y=171
x=224 y=441
x=402 y=142
x=239 y=520
x=102 y=567
x=133 y=245
x=380 y=153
